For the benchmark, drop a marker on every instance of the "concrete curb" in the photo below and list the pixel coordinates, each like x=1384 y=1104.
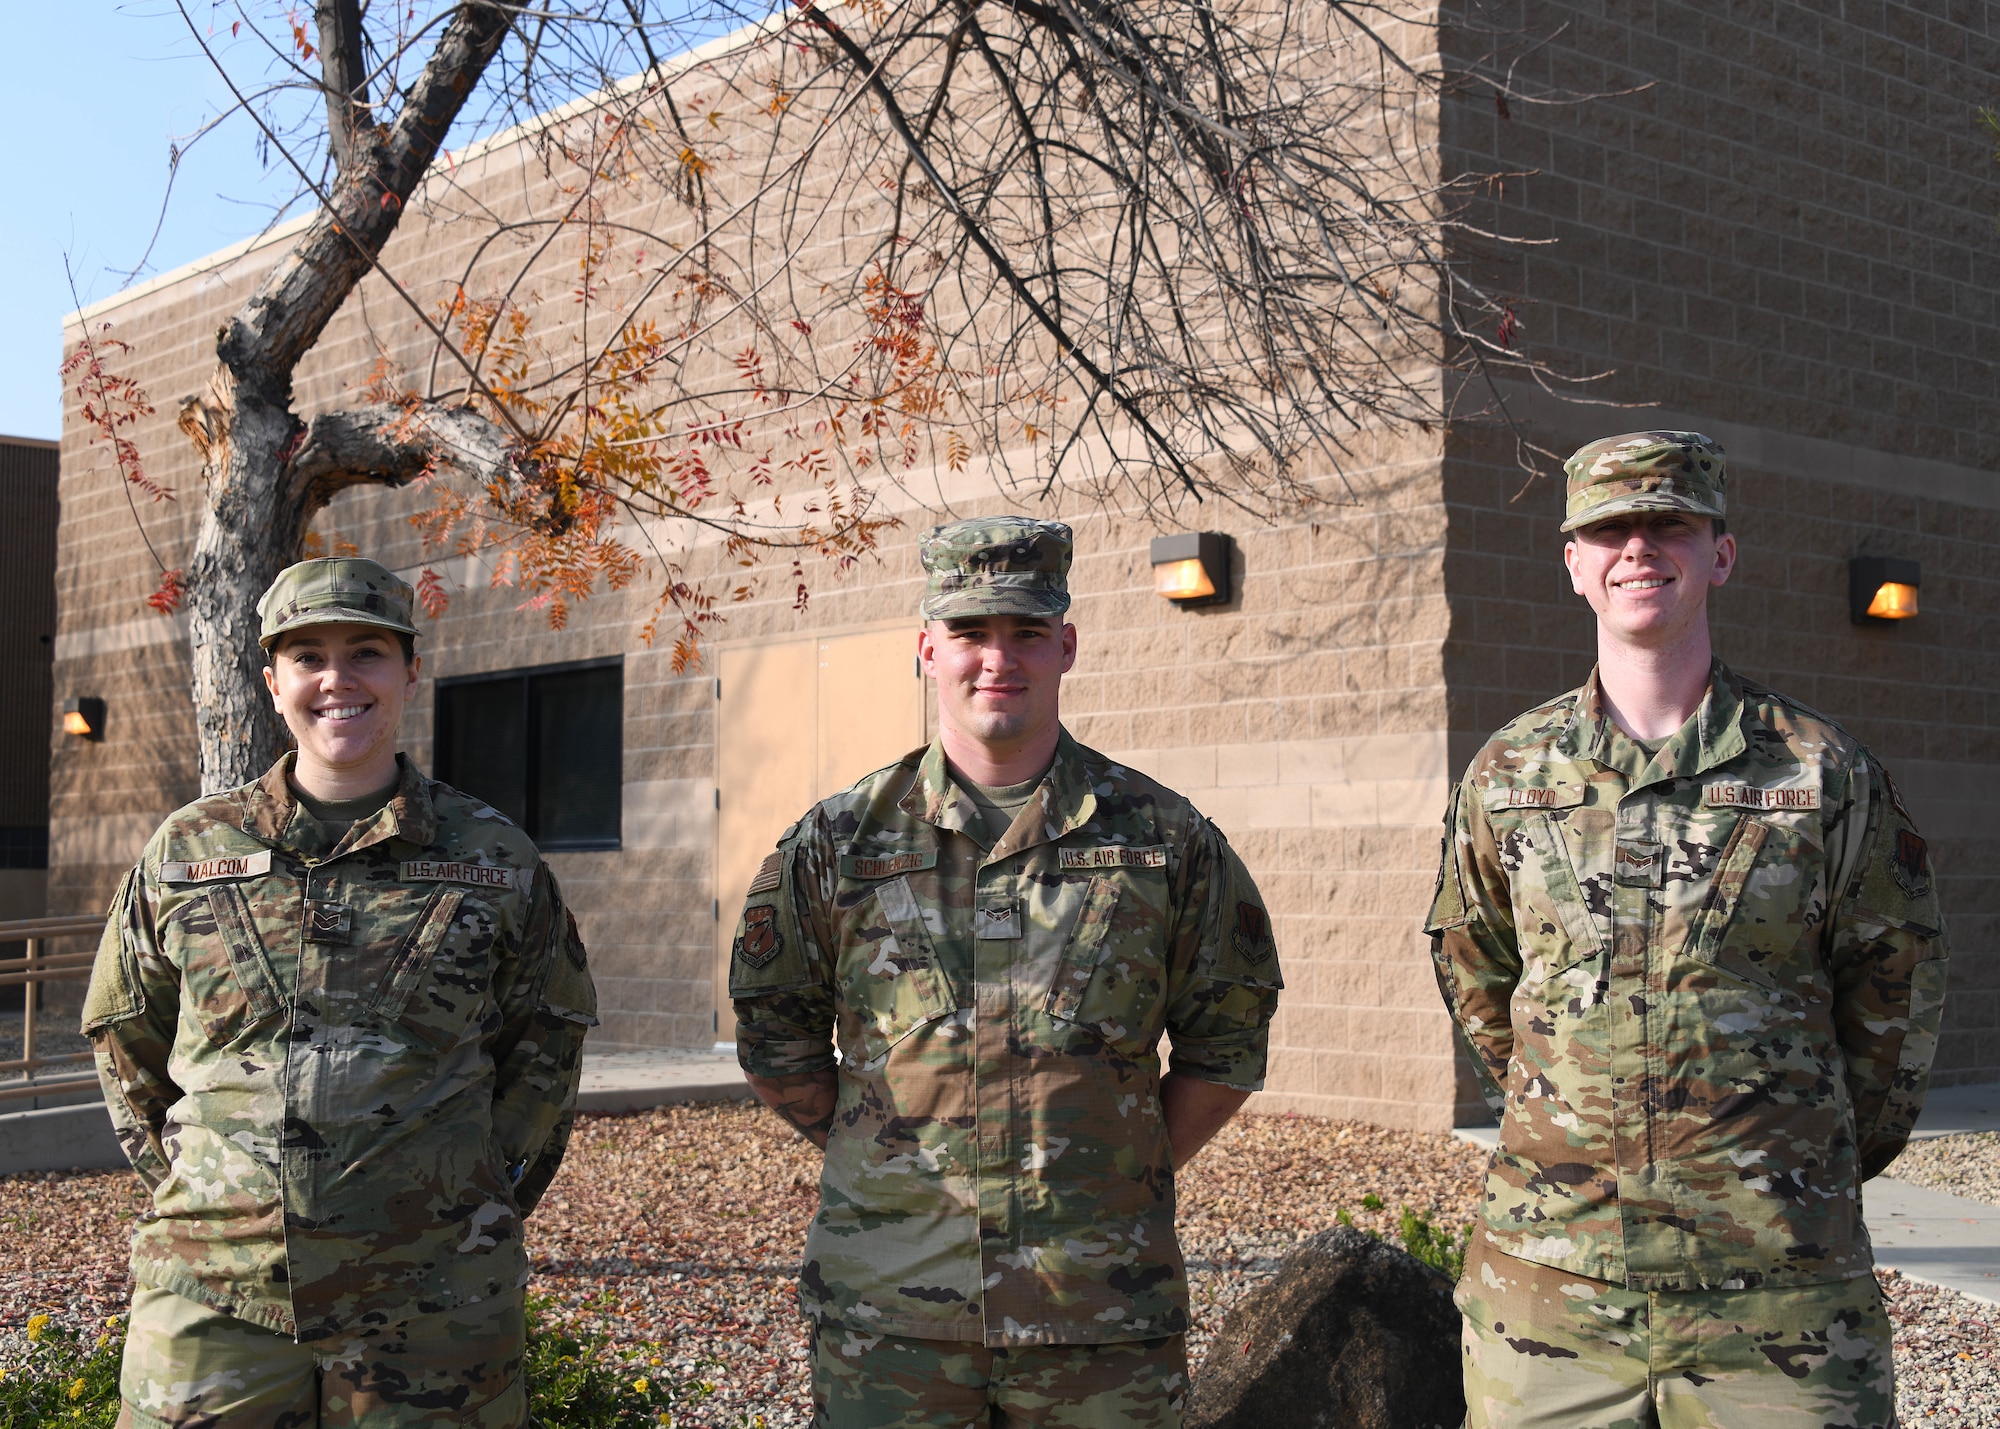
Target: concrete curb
x=64 y=1138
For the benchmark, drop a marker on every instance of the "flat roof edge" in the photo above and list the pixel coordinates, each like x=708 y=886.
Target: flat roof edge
x=446 y=160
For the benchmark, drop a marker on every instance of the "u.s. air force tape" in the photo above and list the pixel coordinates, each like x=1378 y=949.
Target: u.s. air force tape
x=438 y=870
x=1113 y=856
x=213 y=870
x=1749 y=796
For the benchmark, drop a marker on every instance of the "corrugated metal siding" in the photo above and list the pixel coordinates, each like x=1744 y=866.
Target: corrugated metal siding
x=28 y=514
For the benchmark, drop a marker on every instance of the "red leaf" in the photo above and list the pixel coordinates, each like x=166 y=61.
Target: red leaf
x=431 y=593
x=167 y=597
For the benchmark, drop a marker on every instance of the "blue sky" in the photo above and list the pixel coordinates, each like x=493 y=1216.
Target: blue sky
x=103 y=90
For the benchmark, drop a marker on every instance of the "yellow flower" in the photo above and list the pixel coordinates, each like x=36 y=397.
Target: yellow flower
x=36 y=1324
x=76 y=1389
x=642 y=1385
x=3 y=1376
x=654 y=1360
x=112 y=1323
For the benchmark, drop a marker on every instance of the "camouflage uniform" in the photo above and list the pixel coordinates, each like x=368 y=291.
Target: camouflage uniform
x=998 y=1172
x=345 y=1069
x=1703 y=987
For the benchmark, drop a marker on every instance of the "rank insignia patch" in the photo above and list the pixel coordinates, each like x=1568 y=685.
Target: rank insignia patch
x=1912 y=868
x=759 y=942
x=1253 y=933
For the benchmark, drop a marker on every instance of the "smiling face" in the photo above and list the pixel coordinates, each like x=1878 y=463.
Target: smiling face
x=998 y=678
x=1647 y=574
x=341 y=691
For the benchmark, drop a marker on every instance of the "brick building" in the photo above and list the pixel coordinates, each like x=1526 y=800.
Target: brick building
x=1774 y=227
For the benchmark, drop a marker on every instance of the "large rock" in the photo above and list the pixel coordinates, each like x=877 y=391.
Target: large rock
x=1353 y=1333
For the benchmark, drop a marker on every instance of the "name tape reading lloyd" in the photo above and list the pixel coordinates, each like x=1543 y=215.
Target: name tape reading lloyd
x=1527 y=798
x=1112 y=856
x=209 y=870
x=1749 y=796
x=434 y=870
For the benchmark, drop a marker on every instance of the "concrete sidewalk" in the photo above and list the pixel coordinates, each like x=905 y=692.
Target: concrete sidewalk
x=634 y=1081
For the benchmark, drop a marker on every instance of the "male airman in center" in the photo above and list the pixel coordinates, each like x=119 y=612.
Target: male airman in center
x=995 y=931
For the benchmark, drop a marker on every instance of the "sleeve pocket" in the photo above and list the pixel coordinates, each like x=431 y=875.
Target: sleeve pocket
x=115 y=993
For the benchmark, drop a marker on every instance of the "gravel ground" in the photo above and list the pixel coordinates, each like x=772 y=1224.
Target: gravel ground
x=680 y=1228
x=1967 y=1165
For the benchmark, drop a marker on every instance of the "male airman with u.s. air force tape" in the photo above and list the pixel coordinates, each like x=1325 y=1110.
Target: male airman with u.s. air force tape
x=998 y=928
x=1691 y=936
x=339 y=1016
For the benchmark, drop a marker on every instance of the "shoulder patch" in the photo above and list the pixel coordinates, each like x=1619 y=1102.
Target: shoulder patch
x=1113 y=856
x=1912 y=866
x=857 y=865
x=438 y=870
x=214 y=870
x=1253 y=933
x=760 y=941
x=768 y=872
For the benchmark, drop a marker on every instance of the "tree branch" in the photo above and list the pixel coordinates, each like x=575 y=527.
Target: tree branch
x=389 y=445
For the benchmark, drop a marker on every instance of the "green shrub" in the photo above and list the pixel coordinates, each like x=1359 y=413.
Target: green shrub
x=1435 y=1246
x=63 y=1379
x=574 y=1382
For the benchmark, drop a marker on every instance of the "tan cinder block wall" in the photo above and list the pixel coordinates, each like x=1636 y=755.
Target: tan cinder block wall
x=1784 y=236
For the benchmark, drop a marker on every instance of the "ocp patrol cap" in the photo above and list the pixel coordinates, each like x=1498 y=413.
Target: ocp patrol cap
x=996 y=565
x=1644 y=471
x=336 y=590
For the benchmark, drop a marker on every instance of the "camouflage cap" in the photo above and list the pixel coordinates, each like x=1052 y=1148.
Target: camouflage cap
x=345 y=590
x=1644 y=471
x=996 y=565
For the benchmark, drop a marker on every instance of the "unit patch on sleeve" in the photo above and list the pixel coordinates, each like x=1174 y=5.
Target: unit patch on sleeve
x=1112 y=856
x=1749 y=796
x=1912 y=868
x=768 y=872
x=437 y=870
x=213 y=870
x=1253 y=933
x=759 y=942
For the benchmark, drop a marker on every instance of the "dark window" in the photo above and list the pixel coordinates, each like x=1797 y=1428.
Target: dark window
x=545 y=747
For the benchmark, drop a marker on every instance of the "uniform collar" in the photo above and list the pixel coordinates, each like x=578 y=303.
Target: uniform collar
x=1061 y=804
x=1712 y=738
x=270 y=809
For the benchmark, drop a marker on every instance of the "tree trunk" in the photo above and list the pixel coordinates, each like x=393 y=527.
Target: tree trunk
x=260 y=501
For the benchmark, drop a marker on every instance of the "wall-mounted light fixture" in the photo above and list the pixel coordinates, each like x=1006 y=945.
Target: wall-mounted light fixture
x=1192 y=568
x=1882 y=588
x=84 y=716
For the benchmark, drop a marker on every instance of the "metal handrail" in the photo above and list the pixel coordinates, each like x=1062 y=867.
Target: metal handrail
x=38 y=968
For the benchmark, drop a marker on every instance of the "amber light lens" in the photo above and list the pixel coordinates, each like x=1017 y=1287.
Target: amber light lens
x=1893 y=601
x=1182 y=580
x=75 y=723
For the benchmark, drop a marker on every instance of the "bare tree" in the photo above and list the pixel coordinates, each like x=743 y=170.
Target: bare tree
x=1164 y=253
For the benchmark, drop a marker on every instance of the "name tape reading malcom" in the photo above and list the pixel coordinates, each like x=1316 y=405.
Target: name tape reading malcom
x=212 y=870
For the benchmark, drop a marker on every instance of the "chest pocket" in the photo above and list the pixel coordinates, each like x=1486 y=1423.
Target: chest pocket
x=227 y=978
x=890 y=975
x=440 y=974
x=1108 y=985
x=1544 y=836
x=1759 y=922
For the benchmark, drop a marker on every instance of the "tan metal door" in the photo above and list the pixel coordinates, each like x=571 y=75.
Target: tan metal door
x=797 y=721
